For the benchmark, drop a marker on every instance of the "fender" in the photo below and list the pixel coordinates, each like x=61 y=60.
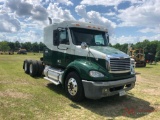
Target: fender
x=82 y=67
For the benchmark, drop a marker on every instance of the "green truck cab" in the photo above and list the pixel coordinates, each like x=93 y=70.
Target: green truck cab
x=78 y=56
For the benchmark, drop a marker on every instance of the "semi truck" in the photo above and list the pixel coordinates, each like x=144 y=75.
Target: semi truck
x=78 y=57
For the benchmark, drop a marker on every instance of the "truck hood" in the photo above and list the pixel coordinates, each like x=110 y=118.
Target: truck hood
x=109 y=51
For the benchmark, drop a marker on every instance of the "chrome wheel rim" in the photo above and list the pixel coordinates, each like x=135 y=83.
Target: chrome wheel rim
x=30 y=68
x=25 y=66
x=72 y=86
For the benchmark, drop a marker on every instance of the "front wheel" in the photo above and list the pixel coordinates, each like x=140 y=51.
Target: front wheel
x=73 y=87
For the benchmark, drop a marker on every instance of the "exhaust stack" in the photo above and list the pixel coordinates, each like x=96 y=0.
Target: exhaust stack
x=50 y=20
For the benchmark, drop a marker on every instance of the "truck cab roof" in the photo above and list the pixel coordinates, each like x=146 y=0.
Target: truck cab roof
x=78 y=24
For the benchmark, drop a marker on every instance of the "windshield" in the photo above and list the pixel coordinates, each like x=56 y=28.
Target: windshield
x=91 y=37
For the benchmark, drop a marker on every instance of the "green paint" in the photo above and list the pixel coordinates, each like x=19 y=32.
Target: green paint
x=82 y=64
x=51 y=58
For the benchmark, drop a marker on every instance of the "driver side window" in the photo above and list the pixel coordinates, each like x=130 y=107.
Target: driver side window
x=63 y=37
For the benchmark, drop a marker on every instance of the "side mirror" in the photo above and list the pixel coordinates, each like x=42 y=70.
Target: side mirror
x=84 y=45
x=108 y=38
x=56 y=37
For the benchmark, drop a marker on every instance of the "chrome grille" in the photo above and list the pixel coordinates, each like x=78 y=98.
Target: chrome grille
x=119 y=65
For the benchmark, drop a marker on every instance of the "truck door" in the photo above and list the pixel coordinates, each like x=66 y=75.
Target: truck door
x=64 y=49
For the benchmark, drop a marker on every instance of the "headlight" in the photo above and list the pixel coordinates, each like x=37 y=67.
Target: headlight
x=95 y=74
x=132 y=61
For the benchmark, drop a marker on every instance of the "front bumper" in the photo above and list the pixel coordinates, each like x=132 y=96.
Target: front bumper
x=97 y=90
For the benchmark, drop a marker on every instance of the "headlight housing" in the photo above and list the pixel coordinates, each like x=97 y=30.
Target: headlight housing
x=95 y=74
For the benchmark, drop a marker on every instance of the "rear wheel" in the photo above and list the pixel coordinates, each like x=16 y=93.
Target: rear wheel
x=33 y=68
x=73 y=87
x=26 y=66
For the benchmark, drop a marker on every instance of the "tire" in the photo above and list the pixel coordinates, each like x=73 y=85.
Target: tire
x=40 y=68
x=26 y=64
x=33 y=68
x=73 y=87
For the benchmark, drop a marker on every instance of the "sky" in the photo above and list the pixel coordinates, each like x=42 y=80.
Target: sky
x=128 y=21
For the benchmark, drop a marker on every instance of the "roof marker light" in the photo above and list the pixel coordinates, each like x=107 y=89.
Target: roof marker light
x=77 y=24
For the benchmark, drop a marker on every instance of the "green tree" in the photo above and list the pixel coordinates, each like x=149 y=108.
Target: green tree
x=35 y=47
x=27 y=46
x=158 y=46
x=17 y=45
x=152 y=47
x=124 y=47
x=11 y=45
x=158 y=52
x=143 y=45
x=4 y=46
x=117 y=46
x=158 y=56
x=41 y=46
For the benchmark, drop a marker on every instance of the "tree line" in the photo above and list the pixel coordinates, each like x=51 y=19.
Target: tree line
x=15 y=46
x=148 y=47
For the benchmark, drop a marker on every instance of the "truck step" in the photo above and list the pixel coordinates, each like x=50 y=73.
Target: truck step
x=53 y=81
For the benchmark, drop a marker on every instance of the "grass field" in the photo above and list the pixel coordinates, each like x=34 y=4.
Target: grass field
x=24 y=97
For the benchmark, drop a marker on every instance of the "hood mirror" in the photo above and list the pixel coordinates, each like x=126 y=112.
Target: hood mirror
x=84 y=45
